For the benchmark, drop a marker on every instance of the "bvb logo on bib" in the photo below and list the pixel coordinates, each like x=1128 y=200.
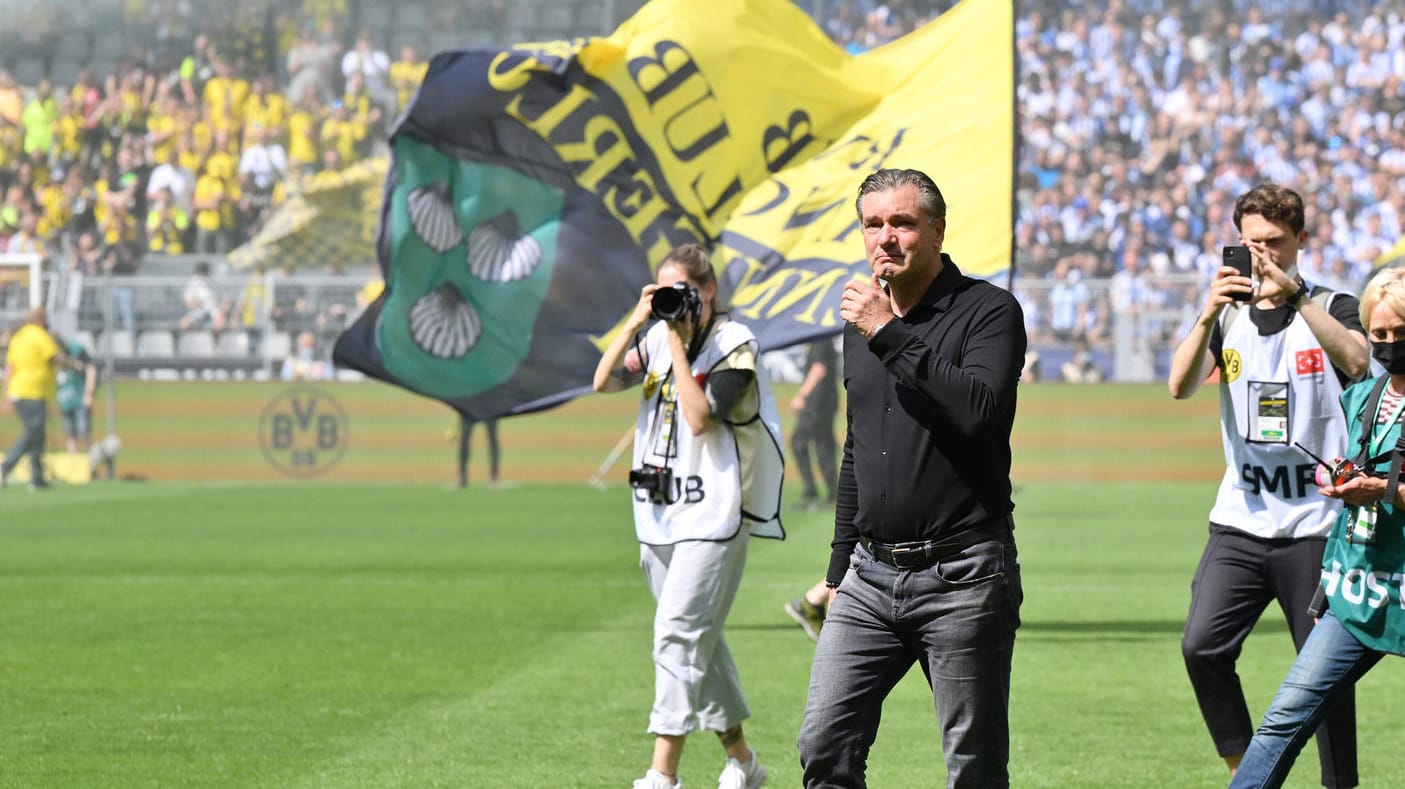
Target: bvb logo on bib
x=1232 y=363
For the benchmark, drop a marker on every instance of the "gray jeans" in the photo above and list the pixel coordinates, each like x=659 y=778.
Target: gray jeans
x=32 y=414
x=956 y=619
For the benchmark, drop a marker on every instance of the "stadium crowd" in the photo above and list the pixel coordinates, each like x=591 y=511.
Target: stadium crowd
x=1140 y=120
x=188 y=141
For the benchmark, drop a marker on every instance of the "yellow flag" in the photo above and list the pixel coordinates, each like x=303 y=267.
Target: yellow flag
x=946 y=107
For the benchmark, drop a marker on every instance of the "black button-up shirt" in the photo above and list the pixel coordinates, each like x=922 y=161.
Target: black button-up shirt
x=931 y=401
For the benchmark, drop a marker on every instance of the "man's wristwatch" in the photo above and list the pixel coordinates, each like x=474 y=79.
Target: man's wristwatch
x=1298 y=295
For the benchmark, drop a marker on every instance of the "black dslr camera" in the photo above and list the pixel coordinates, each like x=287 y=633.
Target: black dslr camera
x=672 y=303
x=657 y=480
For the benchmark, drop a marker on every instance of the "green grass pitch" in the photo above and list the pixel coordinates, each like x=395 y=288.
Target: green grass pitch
x=330 y=635
x=207 y=623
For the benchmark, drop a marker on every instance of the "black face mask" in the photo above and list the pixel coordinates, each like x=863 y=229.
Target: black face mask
x=1391 y=355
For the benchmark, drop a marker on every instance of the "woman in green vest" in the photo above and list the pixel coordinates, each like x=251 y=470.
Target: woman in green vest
x=1365 y=559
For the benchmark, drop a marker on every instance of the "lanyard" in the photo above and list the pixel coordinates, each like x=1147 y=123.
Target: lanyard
x=1377 y=434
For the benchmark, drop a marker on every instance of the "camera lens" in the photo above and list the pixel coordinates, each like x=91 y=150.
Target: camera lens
x=667 y=304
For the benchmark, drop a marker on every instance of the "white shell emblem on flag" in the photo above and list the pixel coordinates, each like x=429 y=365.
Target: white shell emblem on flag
x=498 y=251
x=432 y=217
x=443 y=324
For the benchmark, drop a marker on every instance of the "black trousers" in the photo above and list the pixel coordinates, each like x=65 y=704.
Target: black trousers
x=1238 y=576
x=494 y=455
x=32 y=414
x=814 y=428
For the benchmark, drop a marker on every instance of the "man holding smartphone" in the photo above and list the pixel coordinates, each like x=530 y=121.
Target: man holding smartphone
x=1284 y=358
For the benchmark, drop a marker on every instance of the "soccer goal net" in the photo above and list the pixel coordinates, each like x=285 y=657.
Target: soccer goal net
x=21 y=288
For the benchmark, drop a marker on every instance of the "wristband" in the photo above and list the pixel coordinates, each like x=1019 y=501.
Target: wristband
x=1298 y=295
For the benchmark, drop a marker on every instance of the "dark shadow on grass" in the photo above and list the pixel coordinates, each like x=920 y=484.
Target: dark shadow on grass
x=1125 y=629
x=1092 y=630
x=762 y=627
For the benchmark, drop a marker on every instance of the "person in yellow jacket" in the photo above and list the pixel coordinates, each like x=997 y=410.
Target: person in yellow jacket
x=188 y=157
x=201 y=131
x=30 y=365
x=69 y=134
x=266 y=109
x=163 y=128
x=223 y=98
x=223 y=164
x=55 y=210
x=213 y=203
x=11 y=143
x=406 y=74
x=40 y=120
x=304 y=131
x=222 y=160
x=342 y=132
x=167 y=224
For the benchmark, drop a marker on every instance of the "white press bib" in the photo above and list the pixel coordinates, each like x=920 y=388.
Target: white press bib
x=730 y=474
x=1276 y=391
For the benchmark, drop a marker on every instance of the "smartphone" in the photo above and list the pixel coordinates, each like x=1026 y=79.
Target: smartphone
x=1237 y=257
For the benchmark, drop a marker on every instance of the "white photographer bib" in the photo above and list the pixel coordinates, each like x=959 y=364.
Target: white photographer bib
x=1275 y=392
x=729 y=475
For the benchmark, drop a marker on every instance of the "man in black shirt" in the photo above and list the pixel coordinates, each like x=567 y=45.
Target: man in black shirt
x=924 y=567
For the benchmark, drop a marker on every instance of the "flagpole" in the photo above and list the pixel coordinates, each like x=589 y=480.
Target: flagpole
x=598 y=478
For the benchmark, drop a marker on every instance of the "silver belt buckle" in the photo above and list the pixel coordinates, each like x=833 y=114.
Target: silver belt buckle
x=899 y=553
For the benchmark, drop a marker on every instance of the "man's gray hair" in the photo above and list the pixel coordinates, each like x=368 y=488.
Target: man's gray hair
x=928 y=195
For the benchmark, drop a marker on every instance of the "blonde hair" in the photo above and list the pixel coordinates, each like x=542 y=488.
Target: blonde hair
x=1388 y=284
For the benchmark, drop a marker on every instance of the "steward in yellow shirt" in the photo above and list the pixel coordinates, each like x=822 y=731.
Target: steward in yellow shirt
x=29 y=362
x=29 y=383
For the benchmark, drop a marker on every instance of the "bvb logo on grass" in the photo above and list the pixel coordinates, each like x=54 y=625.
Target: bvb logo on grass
x=303 y=432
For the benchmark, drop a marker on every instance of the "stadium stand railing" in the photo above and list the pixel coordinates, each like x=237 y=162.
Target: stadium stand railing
x=144 y=322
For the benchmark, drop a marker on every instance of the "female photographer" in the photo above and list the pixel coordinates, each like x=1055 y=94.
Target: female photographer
x=707 y=473
x=1365 y=553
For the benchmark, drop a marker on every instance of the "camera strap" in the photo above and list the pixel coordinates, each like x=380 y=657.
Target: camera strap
x=1393 y=478
x=641 y=351
x=1363 y=458
x=695 y=346
x=1396 y=455
x=696 y=343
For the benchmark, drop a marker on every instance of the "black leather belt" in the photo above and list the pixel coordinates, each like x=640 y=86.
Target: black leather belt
x=919 y=555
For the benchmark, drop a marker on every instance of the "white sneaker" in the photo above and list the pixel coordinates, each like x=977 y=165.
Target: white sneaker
x=656 y=780
x=742 y=776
